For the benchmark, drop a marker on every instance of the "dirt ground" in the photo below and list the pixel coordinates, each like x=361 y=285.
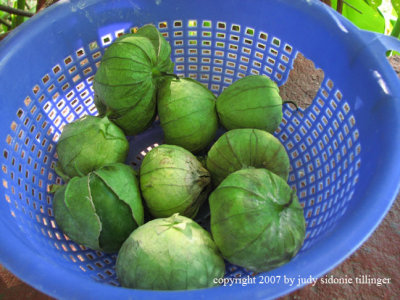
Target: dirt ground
x=303 y=82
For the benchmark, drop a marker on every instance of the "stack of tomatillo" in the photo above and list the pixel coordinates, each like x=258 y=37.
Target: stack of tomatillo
x=256 y=219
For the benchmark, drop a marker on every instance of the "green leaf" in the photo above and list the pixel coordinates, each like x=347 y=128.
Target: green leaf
x=17 y=20
x=396 y=6
x=122 y=181
x=116 y=218
x=75 y=213
x=364 y=15
x=373 y=3
x=396 y=29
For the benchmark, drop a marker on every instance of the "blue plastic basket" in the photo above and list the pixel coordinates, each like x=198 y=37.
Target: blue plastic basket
x=343 y=148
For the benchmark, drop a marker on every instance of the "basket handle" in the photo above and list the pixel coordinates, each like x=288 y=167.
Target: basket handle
x=379 y=42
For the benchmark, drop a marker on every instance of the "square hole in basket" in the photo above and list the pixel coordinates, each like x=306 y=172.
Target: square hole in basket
x=221 y=25
x=106 y=39
x=192 y=23
x=235 y=27
x=207 y=24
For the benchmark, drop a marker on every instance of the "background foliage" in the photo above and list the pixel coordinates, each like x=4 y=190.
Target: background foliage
x=374 y=15
x=10 y=21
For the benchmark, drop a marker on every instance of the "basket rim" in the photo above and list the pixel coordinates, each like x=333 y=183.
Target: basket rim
x=46 y=276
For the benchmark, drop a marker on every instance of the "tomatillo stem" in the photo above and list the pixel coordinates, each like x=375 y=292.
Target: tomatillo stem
x=170 y=74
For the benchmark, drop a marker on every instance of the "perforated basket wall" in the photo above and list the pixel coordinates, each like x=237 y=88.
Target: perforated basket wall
x=325 y=142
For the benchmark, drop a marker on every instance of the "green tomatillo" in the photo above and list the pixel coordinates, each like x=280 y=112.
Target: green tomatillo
x=246 y=148
x=126 y=82
x=251 y=102
x=172 y=181
x=87 y=144
x=187 y=113
x=172 y=253
x=101 y=209
x=257 y=221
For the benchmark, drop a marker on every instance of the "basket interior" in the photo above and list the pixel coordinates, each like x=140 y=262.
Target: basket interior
x=322 y=141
